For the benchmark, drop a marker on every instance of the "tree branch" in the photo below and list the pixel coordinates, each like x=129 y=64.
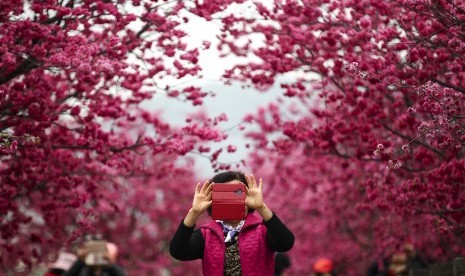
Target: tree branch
x=461 y=90
x=408 y=138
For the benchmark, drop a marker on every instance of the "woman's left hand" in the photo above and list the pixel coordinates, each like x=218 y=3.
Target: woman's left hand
x=254 y=199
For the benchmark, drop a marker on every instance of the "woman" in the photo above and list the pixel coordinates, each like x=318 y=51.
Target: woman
x=80 y=268
x=243 y=247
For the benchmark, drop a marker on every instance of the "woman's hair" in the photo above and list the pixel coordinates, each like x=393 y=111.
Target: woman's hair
x=226 y=177
x=229 y=176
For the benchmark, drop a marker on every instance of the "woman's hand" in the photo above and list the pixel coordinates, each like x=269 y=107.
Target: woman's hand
x=254 y=199
x=201 y=202
x=202 y=197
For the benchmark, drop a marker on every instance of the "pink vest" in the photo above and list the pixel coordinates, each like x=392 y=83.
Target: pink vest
x=256 y=256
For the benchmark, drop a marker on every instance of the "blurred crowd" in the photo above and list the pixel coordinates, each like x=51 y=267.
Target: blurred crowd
x=97 y=257
x=399 y=263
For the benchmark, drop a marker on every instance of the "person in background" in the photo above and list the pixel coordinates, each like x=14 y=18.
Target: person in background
x=80 y=268
x=323 y=267
x=244 y=247
x=63 y=263
x=281 y=263
x=399 y=263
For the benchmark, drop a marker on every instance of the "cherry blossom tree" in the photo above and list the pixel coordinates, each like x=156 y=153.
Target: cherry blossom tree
x=367 y=136
x=362 y=152
x=142 y=214
x=78 y=154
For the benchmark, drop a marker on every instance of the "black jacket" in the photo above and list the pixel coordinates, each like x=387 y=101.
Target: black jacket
x=79 y=268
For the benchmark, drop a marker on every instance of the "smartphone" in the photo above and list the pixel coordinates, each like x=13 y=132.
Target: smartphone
x=228 y=201
x=96 y=252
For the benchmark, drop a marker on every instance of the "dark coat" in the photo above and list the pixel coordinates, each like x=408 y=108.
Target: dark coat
x=79 y=268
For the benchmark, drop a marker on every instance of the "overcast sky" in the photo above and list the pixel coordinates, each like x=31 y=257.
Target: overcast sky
x=233 y=100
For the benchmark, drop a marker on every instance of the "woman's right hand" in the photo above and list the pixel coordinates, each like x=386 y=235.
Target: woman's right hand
x=202 y=197
x=201 y=202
